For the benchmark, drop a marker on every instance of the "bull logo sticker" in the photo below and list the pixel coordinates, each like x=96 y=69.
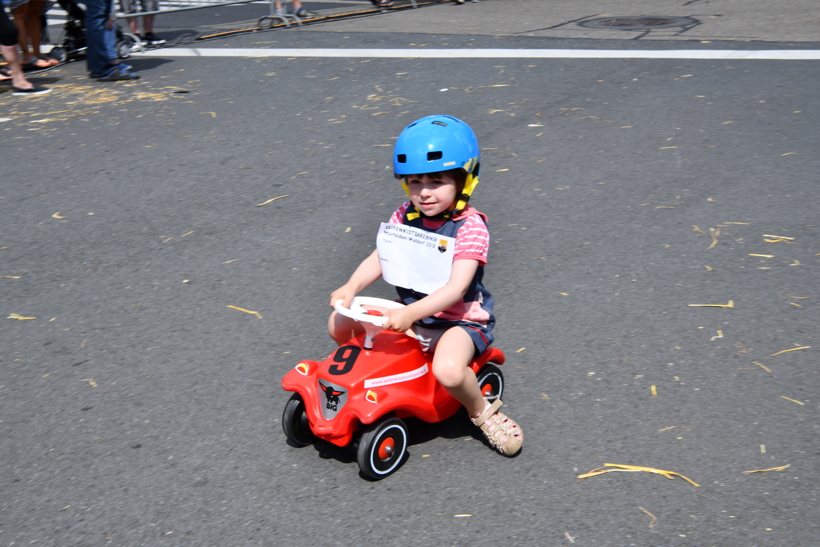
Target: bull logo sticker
x=442 y=245
x=334 y=399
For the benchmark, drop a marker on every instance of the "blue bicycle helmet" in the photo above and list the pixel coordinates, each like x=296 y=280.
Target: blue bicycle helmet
x=438 y=143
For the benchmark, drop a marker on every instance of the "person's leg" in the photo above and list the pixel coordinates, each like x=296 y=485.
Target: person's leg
x=20 y=14
x=132 y=24
x=148 y=23
x=18 y=79
x=451 y=361
x=453 y=354
x=8 y=47
x=33 y=25
x=343 y=328
x=98 y=55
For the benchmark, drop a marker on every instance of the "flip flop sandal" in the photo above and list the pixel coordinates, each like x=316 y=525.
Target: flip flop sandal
x=502 y=433
x=32 y=63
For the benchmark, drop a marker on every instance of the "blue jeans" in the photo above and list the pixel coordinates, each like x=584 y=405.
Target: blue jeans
x=99 y=40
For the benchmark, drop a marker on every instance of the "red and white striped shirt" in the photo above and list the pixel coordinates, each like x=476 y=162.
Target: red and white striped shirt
x=472 y=239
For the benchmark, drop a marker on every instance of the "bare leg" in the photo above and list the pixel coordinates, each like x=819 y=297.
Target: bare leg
x=148 y=23
x=343 y=328
x=20 y=15
x=454 y=352
x=132 y=24
x=35 y=8
x=18 y=79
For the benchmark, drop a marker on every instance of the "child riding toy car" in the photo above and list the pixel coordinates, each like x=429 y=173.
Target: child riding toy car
x=358 y=396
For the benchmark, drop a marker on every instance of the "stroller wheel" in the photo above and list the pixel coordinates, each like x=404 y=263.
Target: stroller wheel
x=59 y=53
x=124 y=49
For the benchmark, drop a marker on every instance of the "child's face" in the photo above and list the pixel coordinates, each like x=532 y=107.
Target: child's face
x=432 y=193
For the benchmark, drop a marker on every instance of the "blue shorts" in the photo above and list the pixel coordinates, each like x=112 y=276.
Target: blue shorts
x=428 y=338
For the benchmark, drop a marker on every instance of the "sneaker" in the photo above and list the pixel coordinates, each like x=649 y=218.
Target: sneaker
x=117 y=73
x=301 y=12
x=107 y=68
x=280 y=12
x=33 y=90
x=152 y=39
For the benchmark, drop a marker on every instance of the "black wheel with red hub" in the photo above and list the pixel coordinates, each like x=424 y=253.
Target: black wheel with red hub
x=490 y=382
x=295 y=423
x=382 y=448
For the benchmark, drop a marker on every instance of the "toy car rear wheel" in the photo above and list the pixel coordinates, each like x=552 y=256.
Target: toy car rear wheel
x=491 y=382
x=382 y=448
x=295 y=423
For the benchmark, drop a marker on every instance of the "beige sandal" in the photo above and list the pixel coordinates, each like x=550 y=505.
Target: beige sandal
x=502 y=433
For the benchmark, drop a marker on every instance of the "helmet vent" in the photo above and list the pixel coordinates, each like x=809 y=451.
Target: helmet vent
x=442 y=124
x=401 y=158
x=432 y=156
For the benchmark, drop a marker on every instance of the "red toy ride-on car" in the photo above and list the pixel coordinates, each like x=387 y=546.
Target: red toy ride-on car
x=360 y=393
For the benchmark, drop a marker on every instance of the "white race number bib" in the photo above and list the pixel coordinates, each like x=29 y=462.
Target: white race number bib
x=414 y=258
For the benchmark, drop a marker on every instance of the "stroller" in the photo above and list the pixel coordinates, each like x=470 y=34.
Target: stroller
x=73 y=42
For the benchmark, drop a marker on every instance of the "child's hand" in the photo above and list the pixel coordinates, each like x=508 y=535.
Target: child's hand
x=345 y=294
x=398 y=320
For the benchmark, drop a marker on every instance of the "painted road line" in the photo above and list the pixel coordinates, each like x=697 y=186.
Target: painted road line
x=727 y=54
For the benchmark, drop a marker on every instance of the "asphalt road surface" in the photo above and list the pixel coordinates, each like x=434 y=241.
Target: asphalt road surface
x=137 y=409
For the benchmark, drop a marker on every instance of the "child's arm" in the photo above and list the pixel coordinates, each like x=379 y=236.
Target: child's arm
x=400 y=320
x=365 y=275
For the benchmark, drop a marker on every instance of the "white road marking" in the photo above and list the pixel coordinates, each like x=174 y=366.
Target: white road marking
x=757 y=55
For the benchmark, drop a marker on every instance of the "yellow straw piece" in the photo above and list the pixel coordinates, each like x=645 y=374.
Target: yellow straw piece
x=667 y=474
x=731 y=304
x=246 y=311
x=786 y=350
x=793 y=400
x=19 y=317
x=714 y=237
x=761 y=366
x=270 y=200
x=654 y=391
x=654 y=518
x=781 y=468
x=778 y=237
x=764 y=256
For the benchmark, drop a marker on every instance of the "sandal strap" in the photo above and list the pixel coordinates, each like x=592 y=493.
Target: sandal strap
x=501 y=432
x=489 y=411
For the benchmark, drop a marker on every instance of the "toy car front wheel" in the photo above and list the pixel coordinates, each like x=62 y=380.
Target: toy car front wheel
x=295 y=423
x=491 y=382
x=382 y=448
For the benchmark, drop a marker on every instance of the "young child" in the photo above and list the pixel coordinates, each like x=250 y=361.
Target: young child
x=437 y=161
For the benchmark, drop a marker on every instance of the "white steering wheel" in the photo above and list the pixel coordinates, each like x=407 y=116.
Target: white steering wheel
x=372 y=319
x=358 y=313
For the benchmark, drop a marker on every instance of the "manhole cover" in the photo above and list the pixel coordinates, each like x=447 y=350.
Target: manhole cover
x=642 y=22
